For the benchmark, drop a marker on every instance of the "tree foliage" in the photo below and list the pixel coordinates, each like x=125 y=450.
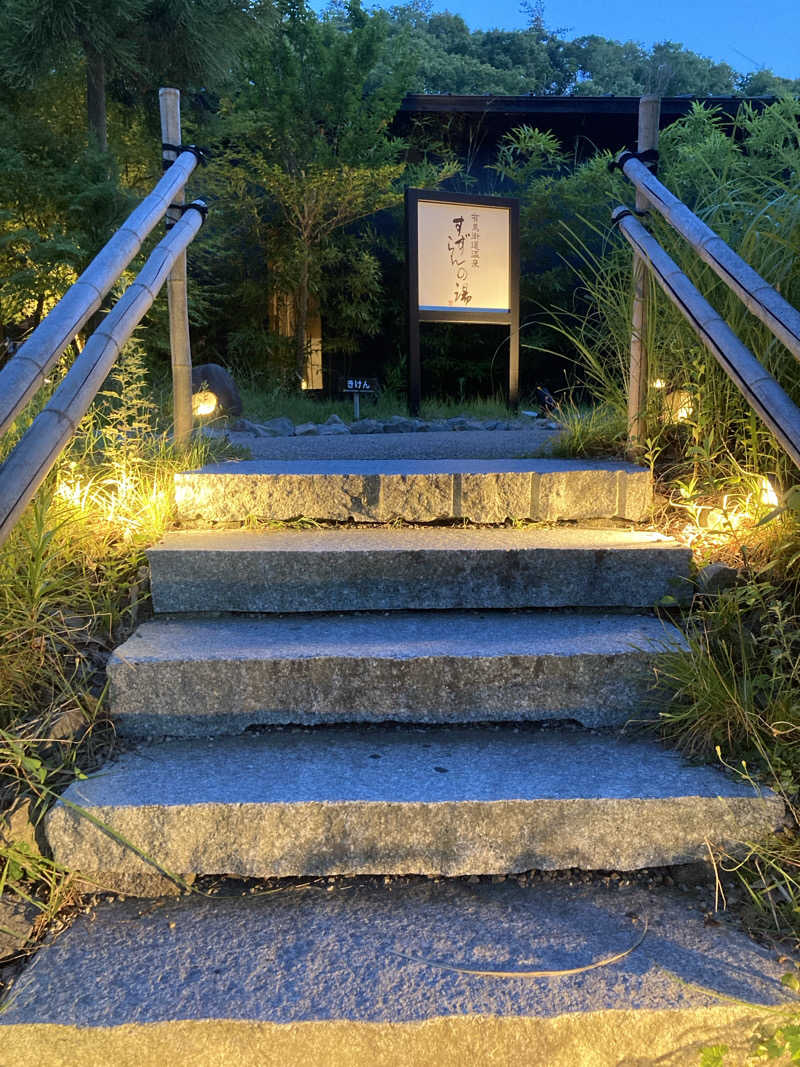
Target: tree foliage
x=134 y=43
x=59 y=199
x=452 y=59
x=307 y=180
x=306 y=153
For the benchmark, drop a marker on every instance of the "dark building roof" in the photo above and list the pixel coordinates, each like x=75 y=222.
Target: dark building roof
x=581 y=123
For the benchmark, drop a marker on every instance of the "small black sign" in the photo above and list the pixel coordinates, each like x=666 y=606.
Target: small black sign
x=358 y=385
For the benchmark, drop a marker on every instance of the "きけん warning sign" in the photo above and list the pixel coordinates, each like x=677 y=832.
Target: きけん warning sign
x=464 y=261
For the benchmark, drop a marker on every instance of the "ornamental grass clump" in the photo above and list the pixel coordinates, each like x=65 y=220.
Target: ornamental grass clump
x=73 y=582
x=743 y=180
x=726 y=488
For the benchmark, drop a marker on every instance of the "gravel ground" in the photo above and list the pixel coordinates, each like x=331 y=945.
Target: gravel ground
x=466 y=444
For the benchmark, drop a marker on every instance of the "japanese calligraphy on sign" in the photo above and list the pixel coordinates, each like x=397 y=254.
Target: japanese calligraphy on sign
x=463 y=257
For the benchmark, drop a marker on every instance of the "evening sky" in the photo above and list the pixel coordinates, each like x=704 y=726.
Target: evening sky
x=746 y=34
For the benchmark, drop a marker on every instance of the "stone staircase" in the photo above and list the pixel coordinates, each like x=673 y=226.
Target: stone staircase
x=396 y=701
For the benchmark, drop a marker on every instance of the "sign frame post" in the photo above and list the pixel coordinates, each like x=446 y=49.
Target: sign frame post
x=508 y=315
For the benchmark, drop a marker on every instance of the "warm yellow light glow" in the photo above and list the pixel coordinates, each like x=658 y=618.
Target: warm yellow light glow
x=304 y=384
x=678 y=406
x=204 y=403
x=659 y=383
x=73 y=492
x=768 y=495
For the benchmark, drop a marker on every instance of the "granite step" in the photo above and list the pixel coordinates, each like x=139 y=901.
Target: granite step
x=359 y=977
x=382 y=490
x=396 y=799
x=198 y=677
x=347 y=569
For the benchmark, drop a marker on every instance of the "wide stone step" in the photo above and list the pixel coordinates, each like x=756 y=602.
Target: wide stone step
x=375 y=976
x=382 y=490
x=196 y=677
x=396 y=800
x=394 y=569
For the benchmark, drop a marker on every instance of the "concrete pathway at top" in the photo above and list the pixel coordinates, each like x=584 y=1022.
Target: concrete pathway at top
x=451 y=444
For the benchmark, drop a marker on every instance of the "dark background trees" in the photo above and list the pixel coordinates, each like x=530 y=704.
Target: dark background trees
x=306 y=176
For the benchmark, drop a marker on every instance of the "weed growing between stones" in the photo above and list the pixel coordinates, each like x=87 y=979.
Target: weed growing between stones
x=588 y=431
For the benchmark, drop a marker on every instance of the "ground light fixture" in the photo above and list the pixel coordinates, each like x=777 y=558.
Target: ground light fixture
x=204 y=403
x=769 y=498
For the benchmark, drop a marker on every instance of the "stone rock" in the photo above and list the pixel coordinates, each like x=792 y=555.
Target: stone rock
x=458 y=422
x=221 y=384
x=389 y=799
x=280 y=427
x=211 y=433
x=362 y=569
x=482 y=491
x=367 y=426
x=437 y=426
x=198 y=677
x=68 y=725
x=330 y=429
x=400 y=424
x=306 y=429
x=485 y=491
x=16 y=923
x=17 y=827
x=333 y=420
x=716 y=578
x=246 y=426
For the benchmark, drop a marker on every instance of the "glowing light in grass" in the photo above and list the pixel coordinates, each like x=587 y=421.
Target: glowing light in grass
x=769 y=498
x=73 y=493
x=659 y=383
x=678 y=406
x=204 y=403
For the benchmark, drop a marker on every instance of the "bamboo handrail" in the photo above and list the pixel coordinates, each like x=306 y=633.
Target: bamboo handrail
x=759 y=388
x=37 y=451
x=758 y=295
x=25 y=371
x=646 y=140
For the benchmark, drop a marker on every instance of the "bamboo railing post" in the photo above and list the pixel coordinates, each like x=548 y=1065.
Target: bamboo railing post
x=169 y=101
x=649 y=115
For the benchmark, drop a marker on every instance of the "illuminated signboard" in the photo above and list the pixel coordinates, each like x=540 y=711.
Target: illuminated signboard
x=463 y=265
x=463 y=257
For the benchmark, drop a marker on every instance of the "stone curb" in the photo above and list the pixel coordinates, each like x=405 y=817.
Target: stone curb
x=415 y=491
